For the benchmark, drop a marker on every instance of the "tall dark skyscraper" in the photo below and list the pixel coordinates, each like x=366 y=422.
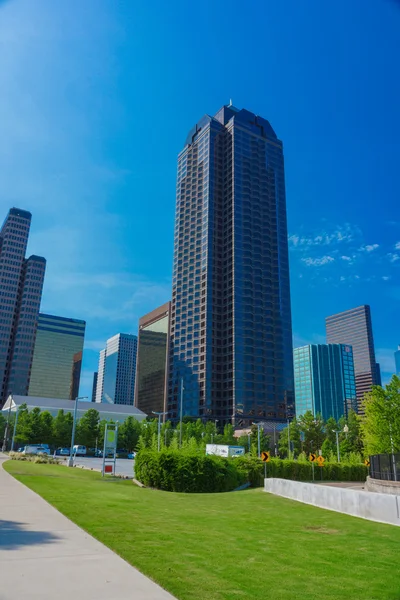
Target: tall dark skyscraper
x=21 y=284
x=354 y=327
x=231 y=332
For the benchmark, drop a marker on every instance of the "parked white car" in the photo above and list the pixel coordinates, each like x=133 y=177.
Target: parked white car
x=36 y=450
x=79 y=450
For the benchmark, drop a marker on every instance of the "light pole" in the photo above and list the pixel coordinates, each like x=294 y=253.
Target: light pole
x=15 y=428
x=346 y=430
x=288 y=438
x=337 y=444
x=249 y=436
x=4 y=448
x=258 y=438
x=159 y=415
x=71 y=458
x=181 y=415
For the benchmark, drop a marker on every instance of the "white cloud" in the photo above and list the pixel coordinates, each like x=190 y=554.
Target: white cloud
x=393 y=257
x=340 y=234
x=369 y=248
x=397 y=246
x=346 y=258
x=385 y=278
x=318 y=262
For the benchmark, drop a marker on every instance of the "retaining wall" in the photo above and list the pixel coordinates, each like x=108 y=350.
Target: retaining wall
x=383 y=487
x=384 y=508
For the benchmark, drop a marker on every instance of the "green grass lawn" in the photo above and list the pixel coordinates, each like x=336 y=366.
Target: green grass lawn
x=244 y=545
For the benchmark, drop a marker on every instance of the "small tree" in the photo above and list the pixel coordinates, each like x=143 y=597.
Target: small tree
x=46 y=425
x=380 y=425
x=87 y=431
x=128 y=434
x=62 y=429
x=312 y=429
x=295 y=440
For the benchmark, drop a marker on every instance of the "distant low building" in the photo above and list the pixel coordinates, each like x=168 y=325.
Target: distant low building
x=324 y=380
x=108 y=412
x=57 y=357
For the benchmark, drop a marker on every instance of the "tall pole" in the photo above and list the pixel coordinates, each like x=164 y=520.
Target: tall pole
x=337 y=446
x=15 y=429
x=4 y=448
x=392 y=448
x=159 y=414
x=249 y=436
x=258 y=440
x=71 y=452
x=181 y=415
x=288 y=438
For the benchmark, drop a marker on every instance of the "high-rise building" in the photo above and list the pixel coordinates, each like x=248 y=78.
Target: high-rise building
x=152 y=360
x=94 y=386
x=324 y=380
x=354 y=328
x=397 y=361
x=21 y=284
x=117 y=370
x=231 y=332
x=57 y=358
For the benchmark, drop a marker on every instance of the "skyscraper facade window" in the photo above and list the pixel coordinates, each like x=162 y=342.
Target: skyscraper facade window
x=117 y=370
x=21 y=284
x=231 y=335
x=354 y=328
x=94 y=386
x=324 y=380
x=152 y=360
x=57 y=358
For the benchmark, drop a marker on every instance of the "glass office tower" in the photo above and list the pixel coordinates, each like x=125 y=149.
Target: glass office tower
x=21 y=284
x=152 y=360
x=57 y=358
x=354 y=328
x=117 y=370
x=231 y=352
x=324 y=380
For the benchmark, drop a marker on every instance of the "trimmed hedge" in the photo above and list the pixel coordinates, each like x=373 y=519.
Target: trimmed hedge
x=253 y=470
x=176 y=471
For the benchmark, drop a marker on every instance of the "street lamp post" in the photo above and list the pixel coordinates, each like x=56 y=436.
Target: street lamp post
x=288 y=438
x=4 y=448
x=15 y=428
x=258 y=425
x=337 y=443
x=71 y=458
x=181 y=415
x=159 y=415
x=249 y=436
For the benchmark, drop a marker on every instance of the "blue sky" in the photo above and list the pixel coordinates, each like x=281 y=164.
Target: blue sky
x=97 y=99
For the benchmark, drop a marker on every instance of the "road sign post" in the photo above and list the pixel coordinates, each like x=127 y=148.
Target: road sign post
x=265 y=457
x=320 y=461
x=110 y=447
x=313 y=458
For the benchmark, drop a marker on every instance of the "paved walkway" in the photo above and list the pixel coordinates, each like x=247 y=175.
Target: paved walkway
x=43 y=555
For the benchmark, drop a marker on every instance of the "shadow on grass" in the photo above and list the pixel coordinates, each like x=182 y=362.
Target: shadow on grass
x=13 y=535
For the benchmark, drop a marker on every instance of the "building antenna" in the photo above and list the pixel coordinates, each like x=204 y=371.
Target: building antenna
x=230 y=102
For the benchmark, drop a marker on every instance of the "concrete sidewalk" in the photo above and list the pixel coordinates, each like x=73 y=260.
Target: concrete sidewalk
x=43 y=555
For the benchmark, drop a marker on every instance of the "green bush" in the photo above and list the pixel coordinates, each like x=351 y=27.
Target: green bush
x=42 y=459
x=176 y=471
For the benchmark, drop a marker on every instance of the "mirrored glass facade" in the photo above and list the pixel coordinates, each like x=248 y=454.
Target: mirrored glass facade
x=151 y=373
x=231 y=333
x=324 y=380
x=397 y=361
x=57 y=358
x=117 y=370
x=354 y=327
x=21 y=284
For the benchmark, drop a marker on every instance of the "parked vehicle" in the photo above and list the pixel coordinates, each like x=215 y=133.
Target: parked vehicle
x=62 y=452
x=224 y=450
x=21 y=449
x=131 y=454
x=79 y=450
x=35 y=450
x=98 y=453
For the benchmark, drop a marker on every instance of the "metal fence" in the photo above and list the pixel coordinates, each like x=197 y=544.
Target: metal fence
x=385 y=466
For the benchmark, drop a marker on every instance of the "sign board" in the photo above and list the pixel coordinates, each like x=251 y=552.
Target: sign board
x=265 y=457
x=367 y=463
x=313 y=457
x=320 y=461
x=108 y=468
